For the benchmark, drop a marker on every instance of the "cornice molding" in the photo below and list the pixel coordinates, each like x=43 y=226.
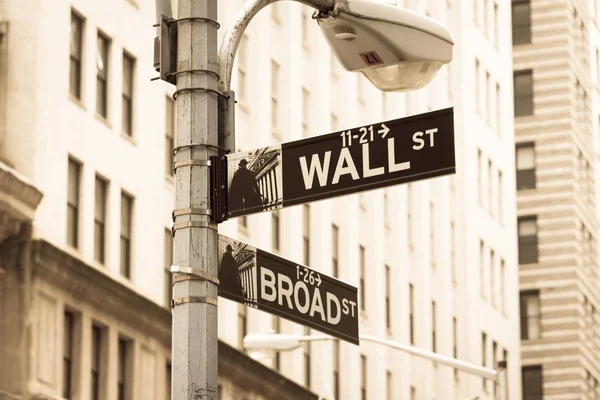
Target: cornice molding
x=100 y=290
x=23 y=197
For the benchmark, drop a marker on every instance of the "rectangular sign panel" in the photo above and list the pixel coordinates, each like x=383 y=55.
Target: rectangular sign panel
x=300 y=294
x=354 y=160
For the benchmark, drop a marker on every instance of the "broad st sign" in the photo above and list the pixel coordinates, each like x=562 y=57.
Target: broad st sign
x=300 y=294
x=341 y=163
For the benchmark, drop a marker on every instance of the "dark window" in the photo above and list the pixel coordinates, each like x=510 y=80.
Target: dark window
x=411 y=313
x=100 y=220
x=388 y=311
x=168 y=395
x=307 y=359
x=102 y=75
x=74 y=174
x=528 y=240
x=306 y=234
x=484 y=356
x=532 y=384
x=127 y=108
x=525 y=158
x=76 y=55
x=275 y=229
x=96 y=362
x=521 y=22
x=169 y=135
x=362 y=289
x=363 y=377
x=242 y=324
x=168 y=262
x=433 y=327
x=335 y=250
x=529 y=302
x=126 y=218
x=336 y=369
x=69 y=324
x=455 y=342
x=123 y=370
x=523 y=92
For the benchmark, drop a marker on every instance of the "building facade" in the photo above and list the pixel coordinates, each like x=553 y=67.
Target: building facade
x=435 y=261
x=556 y=63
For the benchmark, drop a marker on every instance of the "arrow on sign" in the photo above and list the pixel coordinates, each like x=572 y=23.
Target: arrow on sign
x=318 y=279
x=384 y=131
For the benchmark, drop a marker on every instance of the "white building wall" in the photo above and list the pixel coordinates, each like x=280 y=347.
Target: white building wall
x=39 y=146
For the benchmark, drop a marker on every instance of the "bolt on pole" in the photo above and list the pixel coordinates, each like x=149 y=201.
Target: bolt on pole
x=195 y=242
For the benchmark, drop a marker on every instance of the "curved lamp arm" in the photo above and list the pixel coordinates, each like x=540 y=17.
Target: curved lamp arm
x=236 y=29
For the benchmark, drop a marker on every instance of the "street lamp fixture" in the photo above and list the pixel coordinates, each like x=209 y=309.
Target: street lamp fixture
x=395 y=49
x=281 y=342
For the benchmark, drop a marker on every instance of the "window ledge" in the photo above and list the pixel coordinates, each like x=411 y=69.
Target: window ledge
x=128 y=138
x=77 y=102
x=104 y=121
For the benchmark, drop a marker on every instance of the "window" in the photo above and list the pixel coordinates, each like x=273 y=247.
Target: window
x=334 y=122
x=521 y=22
x=482 y=269
x=411 y=313
x=127 y=109
x=388 y=311
x=523 y=92
x=76 y=55
x=494 y=365
x=103 y=43
x=479 y=175
x=491 y=276
x=496 y=27
x=123 y=374
x=409 y=231
x=100 y=220
x=335 y=248
x=502 y=284
x=168 y=261
x=305 y=31
x=499 y=196
x=525 y=155
x=97 y=370
x=487 y=97
x=433 y=327
x=126 y=217
x=432 y=229
x=74 y=180
x=389 y=383
x=362 y=289
x=498 y=111
x=306 y=233
x=532 y=382
x=528 y=240
x=307 y=359
x=453 y=251
x=68 y=338
x=484 y=356
x=276 y=326
x=275 y=13
x=455 y=343
x=490 y=187
x=169 y=135
x=529 y=304
x=168 y=373
x=336 y=369
x=242 y=66
x=275 y=242
x=363 y=377
x=274 y=94
x=477 y=86
x=413 y=393
x=242 y=324
x=305 y=112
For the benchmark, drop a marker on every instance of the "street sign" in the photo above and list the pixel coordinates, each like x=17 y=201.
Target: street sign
x=300 y=294
x=341 y=163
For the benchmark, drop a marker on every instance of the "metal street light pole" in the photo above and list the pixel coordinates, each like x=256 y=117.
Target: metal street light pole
x=195 y=258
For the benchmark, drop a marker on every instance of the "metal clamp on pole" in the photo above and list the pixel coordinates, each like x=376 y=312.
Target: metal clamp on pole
x=194 y=299
x=196 y=273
